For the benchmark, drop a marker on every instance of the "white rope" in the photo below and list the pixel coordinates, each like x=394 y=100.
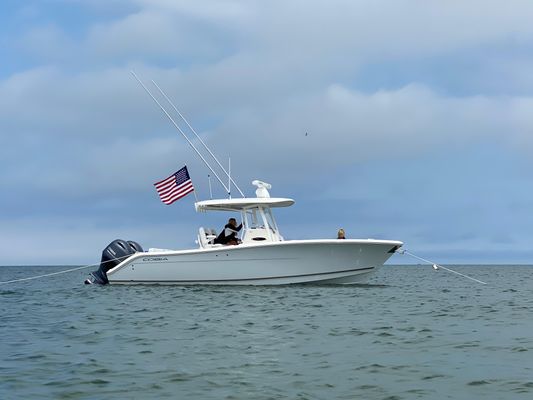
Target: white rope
x=58 y=272
x=437 y=266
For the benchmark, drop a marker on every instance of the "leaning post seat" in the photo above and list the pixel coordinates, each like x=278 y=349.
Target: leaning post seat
x=211 y=235
x=206 y=237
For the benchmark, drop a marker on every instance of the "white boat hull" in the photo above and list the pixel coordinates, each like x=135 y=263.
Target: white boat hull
x=281 y=263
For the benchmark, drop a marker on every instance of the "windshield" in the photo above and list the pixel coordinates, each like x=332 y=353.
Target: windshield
x=259 y=218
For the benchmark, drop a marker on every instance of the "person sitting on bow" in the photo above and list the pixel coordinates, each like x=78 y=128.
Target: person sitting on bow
x=228 y=235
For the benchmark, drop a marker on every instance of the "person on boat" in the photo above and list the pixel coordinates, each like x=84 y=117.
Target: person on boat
x=341 y=234
x=228 y=235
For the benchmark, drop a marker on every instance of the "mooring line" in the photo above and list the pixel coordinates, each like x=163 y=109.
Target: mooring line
x=59 y=272
x=45 y=275
x=437 y=266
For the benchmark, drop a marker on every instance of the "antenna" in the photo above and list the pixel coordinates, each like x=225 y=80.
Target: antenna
x=229 y=177
x=199 y=138
x=210 y=191
x=179 y=129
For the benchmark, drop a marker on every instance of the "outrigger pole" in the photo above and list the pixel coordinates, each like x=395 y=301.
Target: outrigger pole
x=184 y=135
x=200 y=139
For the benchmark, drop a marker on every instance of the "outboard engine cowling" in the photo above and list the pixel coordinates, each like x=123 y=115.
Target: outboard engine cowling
x=115 y=252
x=135 y=246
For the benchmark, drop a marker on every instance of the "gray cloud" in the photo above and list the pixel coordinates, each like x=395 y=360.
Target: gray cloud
x=254 y=78
x=109 y=124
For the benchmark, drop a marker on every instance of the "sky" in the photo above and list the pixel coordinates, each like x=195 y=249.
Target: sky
x=408 y=120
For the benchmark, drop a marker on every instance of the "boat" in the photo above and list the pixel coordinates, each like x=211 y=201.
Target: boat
x=262 y=255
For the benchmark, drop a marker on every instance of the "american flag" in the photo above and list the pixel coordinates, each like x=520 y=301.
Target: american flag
x=174 y=187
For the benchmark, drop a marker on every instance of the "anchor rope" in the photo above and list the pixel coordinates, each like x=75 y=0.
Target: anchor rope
x=59 y=272
x=436 y=266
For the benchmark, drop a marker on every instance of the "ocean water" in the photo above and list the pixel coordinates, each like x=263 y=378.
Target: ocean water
x=411 y=333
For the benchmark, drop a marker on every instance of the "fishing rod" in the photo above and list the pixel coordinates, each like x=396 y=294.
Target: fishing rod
x=200 y=139
x=181 y=131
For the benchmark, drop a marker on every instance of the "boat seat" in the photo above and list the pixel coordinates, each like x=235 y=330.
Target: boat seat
x=206 y=237
x=202 y=239
x=211 y=235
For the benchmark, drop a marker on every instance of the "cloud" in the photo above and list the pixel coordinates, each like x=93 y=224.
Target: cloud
x=48 y=42
x=109 y=125
x=346 y=127
x=168 y=32
x=279 y=40
x=281 y=87
x=137 y=35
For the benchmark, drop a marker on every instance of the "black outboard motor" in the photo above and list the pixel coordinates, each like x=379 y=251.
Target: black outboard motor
x=116 y=252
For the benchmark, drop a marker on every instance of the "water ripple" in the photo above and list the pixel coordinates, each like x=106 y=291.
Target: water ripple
x=410 y=333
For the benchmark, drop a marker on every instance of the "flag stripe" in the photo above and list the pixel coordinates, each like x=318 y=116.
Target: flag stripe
x=176 y=192
x=174 y=187
x=177 y=196
x=166 y=179
x=165 y=185
x=165 y=182
x=167 y=189
x=188 y=188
